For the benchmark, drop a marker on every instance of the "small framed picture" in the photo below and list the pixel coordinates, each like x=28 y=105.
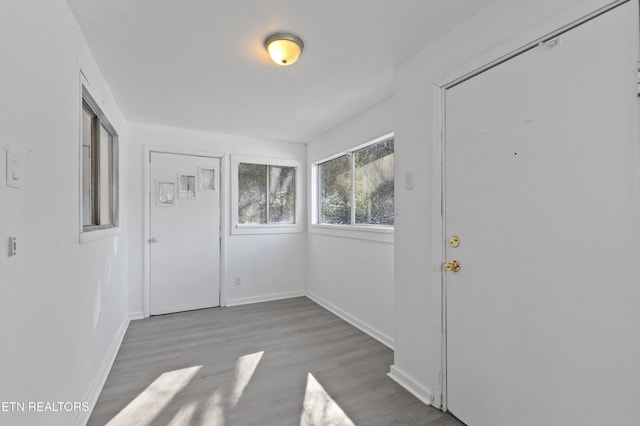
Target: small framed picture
x=206 y=179
x=187 y=186
x=166 y=194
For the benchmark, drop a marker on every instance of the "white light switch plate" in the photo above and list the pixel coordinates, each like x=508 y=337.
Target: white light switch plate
x=13 y=246
x=409 y=179
x=13 y=178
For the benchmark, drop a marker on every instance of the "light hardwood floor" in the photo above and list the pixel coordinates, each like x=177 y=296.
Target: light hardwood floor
x=288 y=362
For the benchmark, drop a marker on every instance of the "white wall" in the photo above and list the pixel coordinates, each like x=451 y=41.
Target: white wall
x=493 y=32
x=63 y=304
x=347 y=271
x=270 y=266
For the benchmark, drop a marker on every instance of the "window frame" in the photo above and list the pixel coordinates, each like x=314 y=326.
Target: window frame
x=266 y=228
x=99 y=121
x=376 y=232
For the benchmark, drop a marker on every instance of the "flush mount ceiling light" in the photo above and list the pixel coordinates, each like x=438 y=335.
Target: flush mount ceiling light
x=284 y=48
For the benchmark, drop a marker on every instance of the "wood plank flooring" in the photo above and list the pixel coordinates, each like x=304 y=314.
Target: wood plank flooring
x=288 y=362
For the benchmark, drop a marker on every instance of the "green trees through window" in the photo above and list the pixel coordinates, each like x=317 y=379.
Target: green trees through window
x=357 y=187
x=335 y=190
x=266 y=194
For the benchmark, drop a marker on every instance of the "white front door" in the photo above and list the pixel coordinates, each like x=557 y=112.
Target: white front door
x=185 y=233
x=541 y=189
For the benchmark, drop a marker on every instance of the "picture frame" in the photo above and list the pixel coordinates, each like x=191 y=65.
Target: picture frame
x=187 y=189
x=206 y=179
x=165 y=194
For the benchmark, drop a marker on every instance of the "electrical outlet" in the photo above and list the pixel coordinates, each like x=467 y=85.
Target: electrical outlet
x=13 y=246
x=238 y=280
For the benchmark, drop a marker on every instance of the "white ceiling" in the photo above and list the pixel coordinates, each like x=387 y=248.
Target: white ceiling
x=200 y=64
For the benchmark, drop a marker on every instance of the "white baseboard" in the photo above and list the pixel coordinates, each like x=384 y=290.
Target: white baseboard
x=136 y=316
x=98 y=382
x=264 y=298
x=420 y=392
x=371 y=331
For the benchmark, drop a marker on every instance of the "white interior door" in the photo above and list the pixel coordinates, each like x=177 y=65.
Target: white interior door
x=185 y=233
x=540 y=152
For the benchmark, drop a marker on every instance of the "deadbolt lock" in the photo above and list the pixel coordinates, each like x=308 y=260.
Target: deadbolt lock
x=453 y=266
x=454 y=241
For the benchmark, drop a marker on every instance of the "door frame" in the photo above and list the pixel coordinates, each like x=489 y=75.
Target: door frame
x=148 y=150
x=540 y=33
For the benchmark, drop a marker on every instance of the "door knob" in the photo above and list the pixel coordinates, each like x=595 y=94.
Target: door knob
x=154 y=240
x=453 y=266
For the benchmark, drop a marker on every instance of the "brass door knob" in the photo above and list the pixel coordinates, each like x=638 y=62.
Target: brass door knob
x=453 y=266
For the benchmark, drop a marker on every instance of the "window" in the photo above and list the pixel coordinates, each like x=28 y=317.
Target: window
x=335 y=190
x=265 y=194
x=99 y=168
x=356 y=188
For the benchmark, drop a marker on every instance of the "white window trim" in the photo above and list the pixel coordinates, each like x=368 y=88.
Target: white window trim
x=98 y=232
x=382 y=233
x=266 y=228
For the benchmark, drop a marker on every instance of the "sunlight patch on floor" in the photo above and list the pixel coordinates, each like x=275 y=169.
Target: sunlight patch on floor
x=214 y=410
x=150 y=402
x=184 y=416
x=245 y=368
x=319 y=408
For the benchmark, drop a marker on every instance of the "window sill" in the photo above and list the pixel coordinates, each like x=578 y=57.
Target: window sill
x=266 y=229
x=98 y=234
x=383 y=234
